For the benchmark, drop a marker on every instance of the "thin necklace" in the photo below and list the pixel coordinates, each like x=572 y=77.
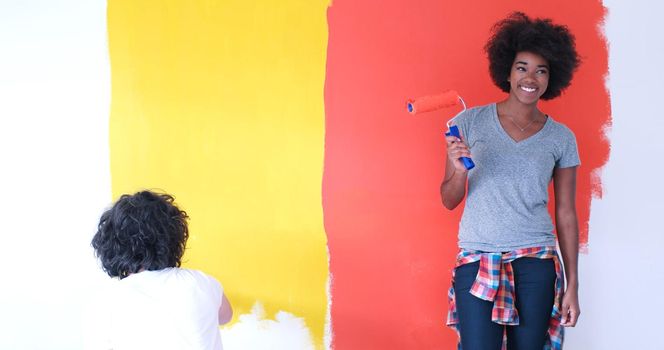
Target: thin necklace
x=517 y=125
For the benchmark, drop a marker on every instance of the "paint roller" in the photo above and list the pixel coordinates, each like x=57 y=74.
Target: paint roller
x=446 y=99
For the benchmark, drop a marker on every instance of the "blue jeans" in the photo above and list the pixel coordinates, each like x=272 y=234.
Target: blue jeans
x=534 y=281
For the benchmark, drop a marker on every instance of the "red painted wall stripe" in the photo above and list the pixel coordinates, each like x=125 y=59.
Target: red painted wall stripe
x=391 y=242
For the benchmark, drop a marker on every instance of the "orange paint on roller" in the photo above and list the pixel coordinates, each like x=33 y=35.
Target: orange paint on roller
x=424 y=104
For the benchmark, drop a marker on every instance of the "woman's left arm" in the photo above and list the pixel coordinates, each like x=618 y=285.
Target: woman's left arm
x=564 y=184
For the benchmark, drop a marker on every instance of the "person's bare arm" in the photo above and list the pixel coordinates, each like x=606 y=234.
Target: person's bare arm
x=225 y=311
x=564 y=183
x=453 y=188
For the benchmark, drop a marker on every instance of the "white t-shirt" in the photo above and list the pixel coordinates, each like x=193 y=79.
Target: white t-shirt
x=173 y=308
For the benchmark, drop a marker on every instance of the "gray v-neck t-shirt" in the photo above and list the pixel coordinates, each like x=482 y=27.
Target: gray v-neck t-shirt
x=506 y=203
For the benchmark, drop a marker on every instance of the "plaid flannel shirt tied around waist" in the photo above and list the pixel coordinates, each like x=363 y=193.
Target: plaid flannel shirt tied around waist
x=495 y=283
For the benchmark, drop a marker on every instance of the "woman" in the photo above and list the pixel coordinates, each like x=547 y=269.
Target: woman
x=507 y=286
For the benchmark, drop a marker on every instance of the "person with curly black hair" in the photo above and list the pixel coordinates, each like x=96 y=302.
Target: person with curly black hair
x=156 y=304
x=508 y=282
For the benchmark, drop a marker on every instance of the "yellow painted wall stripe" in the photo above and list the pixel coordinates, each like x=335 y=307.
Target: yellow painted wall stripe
x=221 y=104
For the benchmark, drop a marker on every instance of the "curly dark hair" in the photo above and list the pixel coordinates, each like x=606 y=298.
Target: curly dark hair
x=519 y=33
x=143 y=231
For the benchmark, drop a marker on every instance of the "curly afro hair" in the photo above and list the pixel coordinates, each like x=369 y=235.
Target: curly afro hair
x=519 y=33
x=143 y=231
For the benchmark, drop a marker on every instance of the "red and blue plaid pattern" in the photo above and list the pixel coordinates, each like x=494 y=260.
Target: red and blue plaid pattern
x=495 y=282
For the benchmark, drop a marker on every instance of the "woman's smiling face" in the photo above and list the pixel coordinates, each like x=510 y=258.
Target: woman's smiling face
x=529 y=77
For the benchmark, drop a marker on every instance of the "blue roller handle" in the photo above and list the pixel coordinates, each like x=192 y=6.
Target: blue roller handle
x=454 y=131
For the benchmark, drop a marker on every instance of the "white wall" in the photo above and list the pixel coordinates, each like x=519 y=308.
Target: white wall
x=54 y=105
x=54 y=182
x=621 y=277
